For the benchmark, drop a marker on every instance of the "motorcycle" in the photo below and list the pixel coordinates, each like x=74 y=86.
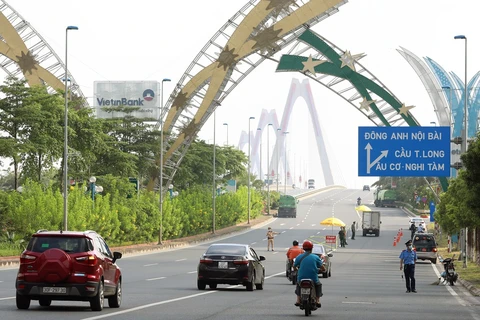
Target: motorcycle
x=308 y=297
x=292 y=274
x=449 y=274
x=359 y=202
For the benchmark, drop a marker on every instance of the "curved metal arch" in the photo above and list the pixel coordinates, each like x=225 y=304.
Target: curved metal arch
x=26 y=54
x=358 y=85
x=255 y=33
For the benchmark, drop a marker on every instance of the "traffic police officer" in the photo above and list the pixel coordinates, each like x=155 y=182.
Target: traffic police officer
x=408 y=257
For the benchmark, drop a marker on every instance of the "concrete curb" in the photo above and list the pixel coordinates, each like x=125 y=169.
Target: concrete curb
x=470 y=287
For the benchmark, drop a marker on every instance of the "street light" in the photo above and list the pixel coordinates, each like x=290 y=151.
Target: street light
x=285 y=146
x=268 y=169
x=278 y=157
x=249 y=119
x=160 y=187
x=464 y=140
x=65 y=141
x=226 y=124
x=260 y=169
x=214 y=187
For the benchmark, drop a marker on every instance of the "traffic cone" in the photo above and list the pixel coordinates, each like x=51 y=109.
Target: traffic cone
x=401 y=232
x=394 y=241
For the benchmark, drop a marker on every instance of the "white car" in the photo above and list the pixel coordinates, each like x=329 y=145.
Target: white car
x=418 y=221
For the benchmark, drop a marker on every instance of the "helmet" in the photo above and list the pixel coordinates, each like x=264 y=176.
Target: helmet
x=307 y=245
x=295 y=242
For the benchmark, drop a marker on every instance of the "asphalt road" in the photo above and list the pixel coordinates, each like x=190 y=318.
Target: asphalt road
x=366 y=281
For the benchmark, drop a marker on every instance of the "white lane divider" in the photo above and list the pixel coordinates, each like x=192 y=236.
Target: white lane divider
x=283 y=231
x=282 y=224
x=154 y=279
x=252 y=243
x=313 y=225
x=150 y=305
x=180 y=260
x=192 y=271
x=291 y=228
x=150 y=264
x=298 y=224
x=7 y=298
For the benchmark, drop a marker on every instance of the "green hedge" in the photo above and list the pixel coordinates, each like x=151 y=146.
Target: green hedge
x=121 y=219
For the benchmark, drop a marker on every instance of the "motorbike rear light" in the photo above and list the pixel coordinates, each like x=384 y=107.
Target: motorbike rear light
x=206 y=261
x=305 y=284
x=241 y=262
x=90 y=259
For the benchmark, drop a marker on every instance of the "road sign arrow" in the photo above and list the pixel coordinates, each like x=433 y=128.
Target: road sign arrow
x=369 y=148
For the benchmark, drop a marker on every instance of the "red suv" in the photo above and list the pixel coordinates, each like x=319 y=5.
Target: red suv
x=68 y=265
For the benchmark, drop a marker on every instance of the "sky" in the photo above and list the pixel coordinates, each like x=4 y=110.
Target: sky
x=151 y=40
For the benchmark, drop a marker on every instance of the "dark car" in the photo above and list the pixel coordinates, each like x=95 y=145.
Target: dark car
x=366 y=188
x=425 y=246
x=320 y=251
x=71 y=266
x=226 y=263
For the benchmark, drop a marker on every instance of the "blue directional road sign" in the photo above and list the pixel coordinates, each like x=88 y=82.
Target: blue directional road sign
x=404 y=151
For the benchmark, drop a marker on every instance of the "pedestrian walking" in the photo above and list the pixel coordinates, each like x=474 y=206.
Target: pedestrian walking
x=354 y=228
x=270 y=235
x=412 y=230
x=408 y=257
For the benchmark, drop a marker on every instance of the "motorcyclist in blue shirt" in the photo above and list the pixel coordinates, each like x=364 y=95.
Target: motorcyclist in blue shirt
x=308 y=265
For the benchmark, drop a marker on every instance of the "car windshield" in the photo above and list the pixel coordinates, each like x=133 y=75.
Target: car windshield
x=227 y=249
x=70 y=244
x=318 y=250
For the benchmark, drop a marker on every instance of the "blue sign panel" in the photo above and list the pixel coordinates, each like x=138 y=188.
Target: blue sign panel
x=404 y=151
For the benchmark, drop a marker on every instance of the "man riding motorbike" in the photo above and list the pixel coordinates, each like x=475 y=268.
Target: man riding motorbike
x=292 y=253
x=359 y=201
x=308 y=265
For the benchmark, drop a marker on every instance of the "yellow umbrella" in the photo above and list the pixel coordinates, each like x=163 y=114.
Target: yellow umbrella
x=363 y=208
x=334 y=222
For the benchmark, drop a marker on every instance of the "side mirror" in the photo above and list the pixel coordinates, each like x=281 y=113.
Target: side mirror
x=262 y=258
x=330 y=254
x=116 y=255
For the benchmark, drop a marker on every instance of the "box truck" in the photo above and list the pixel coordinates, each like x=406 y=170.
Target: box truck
x=371 y=223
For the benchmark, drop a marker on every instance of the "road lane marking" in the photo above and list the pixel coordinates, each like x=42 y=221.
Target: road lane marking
x=283 y=231
x=180 y=260
x=291 y=228
x=153 y=279
x=313 y=225
x=298 y=224
x=282 y=224
x=167 y=301
x=150 y=264
x=192 y=271
x=7 y=298
x=253 y=243
x=357 y=302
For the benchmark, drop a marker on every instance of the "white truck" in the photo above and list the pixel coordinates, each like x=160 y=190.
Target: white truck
x=371 y=223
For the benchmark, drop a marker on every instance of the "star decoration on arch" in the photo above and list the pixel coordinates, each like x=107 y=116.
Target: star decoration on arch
x=365 y=104
x=349 y=60
x=310 y=65
x=190 y=130
x=404 y=109
x=227 y=58
x=279 y=5
x=180 y=101
x=27 y=62
x=266 y=40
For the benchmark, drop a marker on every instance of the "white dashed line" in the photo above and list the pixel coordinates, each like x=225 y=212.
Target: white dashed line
x=282 y=224
x=180 y=260
x=313 y=225
x=151 y=264
x=250 y=243
x=153 y=279
x=192 y=272
x=291 y=228
x=298 y=224
x=283 y=231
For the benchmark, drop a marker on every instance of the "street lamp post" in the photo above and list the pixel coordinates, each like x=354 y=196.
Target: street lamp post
x=160 y=187
x=65 y=144
x=464 y=140
x=278 y=157
x=285 y=146
x=249 y=148
x=226 y=124
x=214 y=179
x=260 y=166
x=268 y=169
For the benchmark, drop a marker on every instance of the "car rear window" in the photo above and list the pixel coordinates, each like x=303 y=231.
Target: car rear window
x=71 y=244
x=423 y=241
x=233 y=250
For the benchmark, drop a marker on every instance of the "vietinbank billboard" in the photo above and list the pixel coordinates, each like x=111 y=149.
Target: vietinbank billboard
x=140 y=99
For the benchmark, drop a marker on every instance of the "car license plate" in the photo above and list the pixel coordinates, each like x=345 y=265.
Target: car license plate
x=54 y=290
x=223 y=264
x=423 y=250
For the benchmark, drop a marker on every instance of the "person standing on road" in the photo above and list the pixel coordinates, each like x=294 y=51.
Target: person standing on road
x=412 y=230
x=354 y=227
x=341 y=236
x=270 y=235
x=408 y=257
